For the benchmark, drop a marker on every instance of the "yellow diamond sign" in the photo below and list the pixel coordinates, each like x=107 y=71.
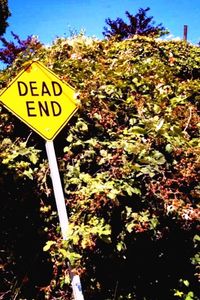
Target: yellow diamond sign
x=40 y=99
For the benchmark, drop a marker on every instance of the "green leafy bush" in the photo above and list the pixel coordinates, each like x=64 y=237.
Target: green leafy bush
x=129 y=160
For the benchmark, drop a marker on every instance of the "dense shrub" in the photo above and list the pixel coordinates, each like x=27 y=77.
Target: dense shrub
x=129 y=160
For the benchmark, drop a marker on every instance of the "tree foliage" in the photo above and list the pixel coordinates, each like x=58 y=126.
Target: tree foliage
x=11 y=49
x=129 y=160
x=4 y=14
x=138 y=24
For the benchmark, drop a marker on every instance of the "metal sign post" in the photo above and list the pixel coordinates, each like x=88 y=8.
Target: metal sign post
x=62 y=212
x=42 y=101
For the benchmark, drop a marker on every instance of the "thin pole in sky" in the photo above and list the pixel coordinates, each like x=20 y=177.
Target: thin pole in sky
x=185 y=32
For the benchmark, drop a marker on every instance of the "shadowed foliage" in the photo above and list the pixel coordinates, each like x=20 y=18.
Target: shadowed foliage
x=4 y=14
x=138 y=24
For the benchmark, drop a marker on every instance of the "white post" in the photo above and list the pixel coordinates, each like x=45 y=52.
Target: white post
x=62 y=211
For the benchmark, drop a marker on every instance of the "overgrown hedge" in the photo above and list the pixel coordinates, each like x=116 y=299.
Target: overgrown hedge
x=129 y=160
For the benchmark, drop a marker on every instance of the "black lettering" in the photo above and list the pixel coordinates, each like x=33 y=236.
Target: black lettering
x=29 y=108
x=32 y=88
x=45 y=89
x=56 y=108
x=43 y=108
x=22 y=88
x=56 y=90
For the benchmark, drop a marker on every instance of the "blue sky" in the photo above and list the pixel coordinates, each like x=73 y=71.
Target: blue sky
x=48 y=19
